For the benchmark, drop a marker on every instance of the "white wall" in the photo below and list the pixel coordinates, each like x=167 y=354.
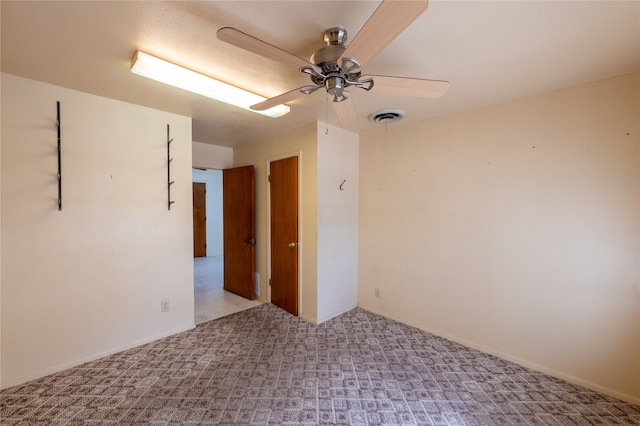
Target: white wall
x=337 y=221
x=301 y=140
x=213 y=205
x=88 y=280
x=0 y=240
x=207 y=156
x=514 y=229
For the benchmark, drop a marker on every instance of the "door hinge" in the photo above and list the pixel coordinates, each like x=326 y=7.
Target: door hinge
x=268 y=178
x=269 y=282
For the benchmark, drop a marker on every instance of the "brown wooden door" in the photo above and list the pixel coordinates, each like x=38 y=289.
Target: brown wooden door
x=238 y=209
x=199 y=219
x=283 y=178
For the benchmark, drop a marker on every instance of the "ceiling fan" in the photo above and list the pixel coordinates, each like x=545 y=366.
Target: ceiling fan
x=336 y=66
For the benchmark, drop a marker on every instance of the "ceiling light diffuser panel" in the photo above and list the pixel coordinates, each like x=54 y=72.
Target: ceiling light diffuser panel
x=166 y=72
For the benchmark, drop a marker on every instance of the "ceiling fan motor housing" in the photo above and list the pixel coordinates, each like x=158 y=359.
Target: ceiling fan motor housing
x=327 y=59
x=328 y=56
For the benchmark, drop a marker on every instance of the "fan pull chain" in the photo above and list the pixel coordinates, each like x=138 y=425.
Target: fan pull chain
x=326 y=113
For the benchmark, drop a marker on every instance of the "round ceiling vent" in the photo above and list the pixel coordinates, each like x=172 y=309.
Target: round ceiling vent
x=386 y=116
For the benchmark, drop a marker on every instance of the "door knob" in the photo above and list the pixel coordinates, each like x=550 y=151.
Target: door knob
x=293 y=244
x=250 y=241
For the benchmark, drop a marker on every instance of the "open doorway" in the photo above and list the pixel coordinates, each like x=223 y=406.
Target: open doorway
x=211 y=301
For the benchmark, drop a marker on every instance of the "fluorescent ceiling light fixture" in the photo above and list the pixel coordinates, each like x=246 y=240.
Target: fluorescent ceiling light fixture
x=165 y=72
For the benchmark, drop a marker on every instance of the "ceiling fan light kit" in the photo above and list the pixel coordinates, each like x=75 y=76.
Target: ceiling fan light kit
x=166 y=72
x=336 y=66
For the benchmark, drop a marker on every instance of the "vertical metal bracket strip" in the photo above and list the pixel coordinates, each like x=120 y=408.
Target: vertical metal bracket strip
x=169 y=160
x=59 y=158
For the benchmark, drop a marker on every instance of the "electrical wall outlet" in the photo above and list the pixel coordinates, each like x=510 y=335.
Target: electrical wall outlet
x=164 y=305
x=376 y=293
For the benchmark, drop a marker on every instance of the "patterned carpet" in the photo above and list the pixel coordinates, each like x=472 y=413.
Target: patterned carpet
x=263 y=366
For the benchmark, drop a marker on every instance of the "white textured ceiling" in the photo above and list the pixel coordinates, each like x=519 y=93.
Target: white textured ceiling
x=491 y=52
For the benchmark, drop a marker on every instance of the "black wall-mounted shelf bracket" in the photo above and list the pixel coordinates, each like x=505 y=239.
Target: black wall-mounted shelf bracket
x=169 y=160
x=59 y=157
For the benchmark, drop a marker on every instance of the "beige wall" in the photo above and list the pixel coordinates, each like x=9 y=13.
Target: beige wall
x=88 y=280
x=328 y=216
x=337 y=221
x=514 y=229
x=299 y=141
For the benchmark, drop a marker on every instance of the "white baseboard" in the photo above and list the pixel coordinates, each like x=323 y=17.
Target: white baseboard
x=515 y=360
x=75 y=363
x=318 y=321
x=335 y=314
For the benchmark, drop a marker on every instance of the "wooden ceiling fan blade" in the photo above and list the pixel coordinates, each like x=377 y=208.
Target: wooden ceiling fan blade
x=262 y=48
x=278 y=100
x=346 y=112
x=386 y=23
x=414 y=87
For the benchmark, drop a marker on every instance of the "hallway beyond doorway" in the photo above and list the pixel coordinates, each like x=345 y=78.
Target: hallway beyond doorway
x=211 y=301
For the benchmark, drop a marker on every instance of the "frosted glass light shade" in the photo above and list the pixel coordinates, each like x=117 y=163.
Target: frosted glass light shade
x=165 y=72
